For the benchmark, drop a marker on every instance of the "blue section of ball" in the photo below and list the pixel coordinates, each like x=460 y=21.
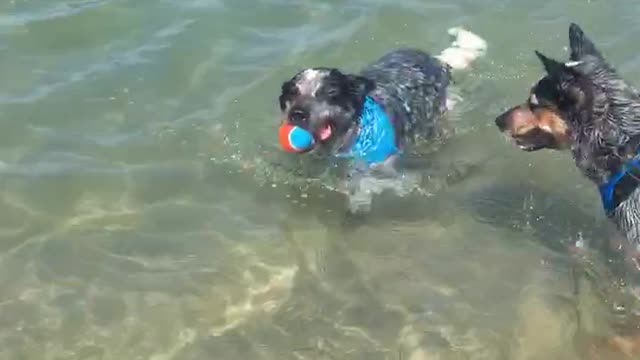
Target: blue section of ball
x=300 y=138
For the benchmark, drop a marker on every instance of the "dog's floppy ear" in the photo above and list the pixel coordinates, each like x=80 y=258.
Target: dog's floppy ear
x=553 y=67
x=360 y=85
x=287 y=90
x=580 y=44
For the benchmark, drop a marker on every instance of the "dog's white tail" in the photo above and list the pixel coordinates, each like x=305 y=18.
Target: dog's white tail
x=465 y=48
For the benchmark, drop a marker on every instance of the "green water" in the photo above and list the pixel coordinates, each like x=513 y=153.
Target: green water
x=146 y=212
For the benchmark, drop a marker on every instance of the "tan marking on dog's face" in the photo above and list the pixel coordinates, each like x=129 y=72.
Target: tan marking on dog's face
x=521 y=121
x=551 y=122
x=535 y=128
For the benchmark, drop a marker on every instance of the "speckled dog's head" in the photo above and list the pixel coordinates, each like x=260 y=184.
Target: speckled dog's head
x=324 y=101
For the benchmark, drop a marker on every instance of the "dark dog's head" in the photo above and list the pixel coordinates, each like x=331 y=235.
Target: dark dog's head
x=561 y=103
x=325 y=102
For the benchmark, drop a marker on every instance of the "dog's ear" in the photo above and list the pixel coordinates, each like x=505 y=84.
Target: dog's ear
x=580 y=44
x=360 y=85
x=287 y=91
x=553 y=67
x=564 y=75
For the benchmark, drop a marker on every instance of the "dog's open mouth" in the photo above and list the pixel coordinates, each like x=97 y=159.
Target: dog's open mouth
x=527 y=146
x=325 y=132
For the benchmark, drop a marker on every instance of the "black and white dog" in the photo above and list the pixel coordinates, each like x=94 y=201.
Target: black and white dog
x=371 y=117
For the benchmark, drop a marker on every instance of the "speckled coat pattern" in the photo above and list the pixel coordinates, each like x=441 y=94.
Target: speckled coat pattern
x=606 y=133
x=412 y=86
x=602 y=112
x=611 y=138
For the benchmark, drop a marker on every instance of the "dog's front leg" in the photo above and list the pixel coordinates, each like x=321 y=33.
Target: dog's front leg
x=366 y=180
x=387 y=168
x=359 y=196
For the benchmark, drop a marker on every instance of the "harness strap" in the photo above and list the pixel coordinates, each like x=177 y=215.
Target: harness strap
x=620 y=186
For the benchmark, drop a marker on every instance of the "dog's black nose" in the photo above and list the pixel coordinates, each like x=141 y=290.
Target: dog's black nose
x=298 y=116
x=501 y=121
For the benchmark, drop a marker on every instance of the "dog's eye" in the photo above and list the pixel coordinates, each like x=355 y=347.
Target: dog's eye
x=332 y=92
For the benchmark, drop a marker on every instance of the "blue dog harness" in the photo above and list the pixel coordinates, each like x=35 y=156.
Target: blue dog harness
x=620 y=186
x=376 y=139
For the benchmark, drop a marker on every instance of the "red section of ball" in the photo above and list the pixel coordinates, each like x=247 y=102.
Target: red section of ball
x=283 y=136
x=295 y=139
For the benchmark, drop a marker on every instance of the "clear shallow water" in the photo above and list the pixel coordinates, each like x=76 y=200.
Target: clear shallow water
x=146 y=212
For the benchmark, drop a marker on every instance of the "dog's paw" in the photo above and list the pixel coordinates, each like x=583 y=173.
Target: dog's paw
x=464 y=50
x=465 y=39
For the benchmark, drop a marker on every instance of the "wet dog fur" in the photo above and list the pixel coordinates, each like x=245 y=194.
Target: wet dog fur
x=583 y=105
x=410 y=84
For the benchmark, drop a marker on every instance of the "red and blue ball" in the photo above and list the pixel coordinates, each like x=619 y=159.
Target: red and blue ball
x=295 y=139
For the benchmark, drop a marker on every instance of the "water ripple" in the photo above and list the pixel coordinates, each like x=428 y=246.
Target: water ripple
x=59 y=10
x=146 y=210
x=143 y=54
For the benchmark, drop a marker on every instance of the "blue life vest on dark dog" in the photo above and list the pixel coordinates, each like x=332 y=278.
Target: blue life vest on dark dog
x=376 y=138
